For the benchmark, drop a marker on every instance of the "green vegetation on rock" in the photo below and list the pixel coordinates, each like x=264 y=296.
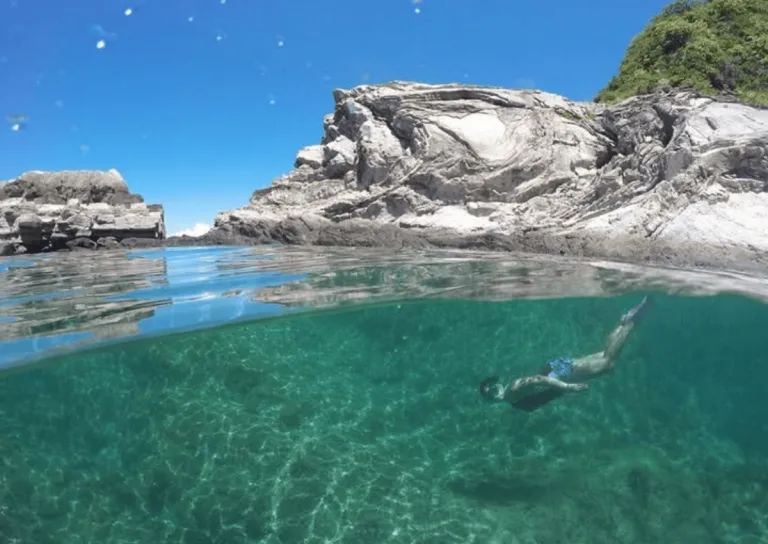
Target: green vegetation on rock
x=714 y=46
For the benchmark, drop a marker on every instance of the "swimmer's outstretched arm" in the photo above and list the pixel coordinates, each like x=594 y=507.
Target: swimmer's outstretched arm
x=538 y=380
x=491 y=389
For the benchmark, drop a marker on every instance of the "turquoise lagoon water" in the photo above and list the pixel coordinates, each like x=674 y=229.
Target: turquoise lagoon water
x=286 y=395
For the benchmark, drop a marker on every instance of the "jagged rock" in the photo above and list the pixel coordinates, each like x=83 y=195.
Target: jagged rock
x=57 y=210
x=313 y=156
x=81 y=243
x=110 y=242
x=464 y=166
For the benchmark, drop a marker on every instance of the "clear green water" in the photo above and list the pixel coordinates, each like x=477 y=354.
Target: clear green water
x=364 y=425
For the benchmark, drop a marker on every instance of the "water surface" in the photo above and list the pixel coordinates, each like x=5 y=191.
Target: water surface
x=55 y=302
x=331 y=396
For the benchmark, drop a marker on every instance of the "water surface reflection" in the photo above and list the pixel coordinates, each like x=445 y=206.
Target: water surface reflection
x=64 y=301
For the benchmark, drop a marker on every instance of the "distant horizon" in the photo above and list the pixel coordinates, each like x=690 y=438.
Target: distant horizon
x=198 y=106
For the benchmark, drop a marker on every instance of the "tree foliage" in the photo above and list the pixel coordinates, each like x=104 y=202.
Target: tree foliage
x=714 y=46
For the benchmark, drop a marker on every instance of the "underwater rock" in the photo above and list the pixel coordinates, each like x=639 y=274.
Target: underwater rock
x=45 y=211
x=673 y=176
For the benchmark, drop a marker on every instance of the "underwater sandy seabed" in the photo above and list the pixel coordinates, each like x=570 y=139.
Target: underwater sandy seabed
x=366 y=426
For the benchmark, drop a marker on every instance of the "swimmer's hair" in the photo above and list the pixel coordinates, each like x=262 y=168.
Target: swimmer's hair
x=485 y=387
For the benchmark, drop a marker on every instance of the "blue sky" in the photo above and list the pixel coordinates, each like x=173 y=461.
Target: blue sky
x=199 y=102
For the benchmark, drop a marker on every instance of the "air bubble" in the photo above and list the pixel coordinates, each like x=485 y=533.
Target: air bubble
x=17 y=122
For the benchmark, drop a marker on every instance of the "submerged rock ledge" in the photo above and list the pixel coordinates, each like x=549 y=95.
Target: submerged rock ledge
x=671 y=177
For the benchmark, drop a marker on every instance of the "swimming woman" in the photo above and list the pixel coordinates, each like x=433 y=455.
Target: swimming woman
x=563 y=375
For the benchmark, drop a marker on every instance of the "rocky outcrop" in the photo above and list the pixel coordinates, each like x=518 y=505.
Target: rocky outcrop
x=43 y=211
x=670 y=176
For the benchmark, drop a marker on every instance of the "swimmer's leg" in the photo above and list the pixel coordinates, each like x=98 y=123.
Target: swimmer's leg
x=599 y=363
x=620 y=334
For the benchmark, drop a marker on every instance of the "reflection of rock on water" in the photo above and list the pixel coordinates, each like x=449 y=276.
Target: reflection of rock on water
x=71 y=292
x=346 y=275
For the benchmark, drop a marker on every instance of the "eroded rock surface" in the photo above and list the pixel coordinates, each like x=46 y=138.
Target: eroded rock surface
x=670 y=176
x=43 y=211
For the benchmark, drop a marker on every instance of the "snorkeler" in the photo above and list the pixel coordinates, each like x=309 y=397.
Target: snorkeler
x=563 y=375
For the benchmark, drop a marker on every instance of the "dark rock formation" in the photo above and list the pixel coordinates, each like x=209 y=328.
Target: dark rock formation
x=45 y=211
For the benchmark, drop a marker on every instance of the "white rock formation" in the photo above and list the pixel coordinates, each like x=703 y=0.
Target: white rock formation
x=452 y=165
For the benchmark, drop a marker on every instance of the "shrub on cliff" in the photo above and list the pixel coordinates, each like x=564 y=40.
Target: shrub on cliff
x=715 y=46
